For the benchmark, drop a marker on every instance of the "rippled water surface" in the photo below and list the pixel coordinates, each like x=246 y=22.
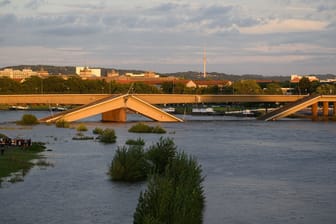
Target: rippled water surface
x=255 y=172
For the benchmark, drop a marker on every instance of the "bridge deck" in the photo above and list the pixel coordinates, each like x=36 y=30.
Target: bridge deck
x=80 y=99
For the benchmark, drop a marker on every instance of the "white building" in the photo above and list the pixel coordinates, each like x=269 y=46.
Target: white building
x=94 y=71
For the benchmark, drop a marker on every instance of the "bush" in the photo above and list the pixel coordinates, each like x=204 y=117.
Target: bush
x=62 y=124
x=160 y=154
x=3 y=135
x=82 y=128
x=129 y=164
x=98 y=131
x=28 y=119
x=158 y=130
x=143 y=128
x=175 y=197
x=138 y=141
x=108 y=136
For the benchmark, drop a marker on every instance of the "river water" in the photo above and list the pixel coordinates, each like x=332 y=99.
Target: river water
x=255 y=172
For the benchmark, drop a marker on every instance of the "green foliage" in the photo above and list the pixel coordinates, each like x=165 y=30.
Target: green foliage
x=143 y=128
x=18 y=159
x=108 y=136
x=138 y=141
x=62 y=124
x=273 y=88
x=326 y=89
x=158 y=130
x=246 y=87
x=3 y=135
x=28 y=119
x=129 y=164
x=175 y=197
x=82 y=128
x=98 y=131
x=160 y=154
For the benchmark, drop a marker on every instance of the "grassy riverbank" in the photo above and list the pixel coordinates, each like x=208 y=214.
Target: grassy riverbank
x=18 y=159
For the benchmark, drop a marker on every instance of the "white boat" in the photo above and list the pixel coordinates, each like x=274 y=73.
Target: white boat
x=58 y=108
x=18 y=107
x=169 y=109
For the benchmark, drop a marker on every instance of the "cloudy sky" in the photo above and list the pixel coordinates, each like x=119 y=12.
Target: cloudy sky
x=270 y=37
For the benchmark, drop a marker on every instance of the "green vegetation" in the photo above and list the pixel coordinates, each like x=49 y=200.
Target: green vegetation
x=62 y=124
x=17 y=159
x=81 y=128
x=143 y=128
x=108 y=136
x=175 y=197
x=28 y=119
x=129 y=164
x=160 y=154
x=98 y=131
x=154 y=160
x=138 y=141
x=174 y=193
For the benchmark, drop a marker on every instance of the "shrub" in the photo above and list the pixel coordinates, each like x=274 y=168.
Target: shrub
x=62 y=124
x=28 y=119
x=108 y=136
x=97 y=131
x=82 y=128
x=128 y=164
x=3 y=135
x=160 y=154
x=143 y=128
x=158 y=130
x=175 y=197
x=138 y=141
x=140 y=128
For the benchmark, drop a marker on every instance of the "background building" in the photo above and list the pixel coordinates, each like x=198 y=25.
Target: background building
x=85 y=72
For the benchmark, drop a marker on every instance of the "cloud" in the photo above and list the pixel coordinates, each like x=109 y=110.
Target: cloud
x=4 y=3
x=285 y=26
x=34 y=4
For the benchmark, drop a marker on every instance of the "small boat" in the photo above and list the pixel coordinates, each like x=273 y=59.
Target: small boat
x=169 y=109
x=18 y=108
x=58 y=108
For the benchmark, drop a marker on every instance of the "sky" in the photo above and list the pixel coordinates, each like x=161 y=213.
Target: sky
x=268 y=37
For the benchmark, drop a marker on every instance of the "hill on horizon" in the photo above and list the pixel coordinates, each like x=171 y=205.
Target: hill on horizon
x=71 y=70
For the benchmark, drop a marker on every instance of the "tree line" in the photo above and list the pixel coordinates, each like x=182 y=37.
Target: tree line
x=75 y=85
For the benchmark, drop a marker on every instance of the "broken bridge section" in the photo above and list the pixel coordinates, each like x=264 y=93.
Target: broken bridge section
x=114 y=109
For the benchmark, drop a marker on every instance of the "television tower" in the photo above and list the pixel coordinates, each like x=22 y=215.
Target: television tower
x=204 y=64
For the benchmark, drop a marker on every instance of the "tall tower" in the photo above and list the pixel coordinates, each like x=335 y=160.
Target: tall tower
x=204 y=64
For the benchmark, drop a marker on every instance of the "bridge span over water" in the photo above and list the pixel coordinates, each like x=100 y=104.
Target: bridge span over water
x=114 y=107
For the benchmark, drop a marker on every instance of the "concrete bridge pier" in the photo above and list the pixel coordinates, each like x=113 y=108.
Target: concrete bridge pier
x=314 y=108
x=118 y=115
x=325 y=109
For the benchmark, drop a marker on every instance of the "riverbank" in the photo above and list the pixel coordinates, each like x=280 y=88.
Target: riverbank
x=19 y=160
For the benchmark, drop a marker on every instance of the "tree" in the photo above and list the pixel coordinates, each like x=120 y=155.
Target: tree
x=273 y=89
x=8 y=85
x=304 y=86
x=326 y=89
x=246 y=87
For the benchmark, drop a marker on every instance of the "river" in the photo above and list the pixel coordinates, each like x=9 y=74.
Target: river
x=255 y=172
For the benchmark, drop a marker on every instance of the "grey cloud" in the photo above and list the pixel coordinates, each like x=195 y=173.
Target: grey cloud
x=34 y=4
x=7 y=21
x=71 y=30
x=165 y=7
x=4 y=3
